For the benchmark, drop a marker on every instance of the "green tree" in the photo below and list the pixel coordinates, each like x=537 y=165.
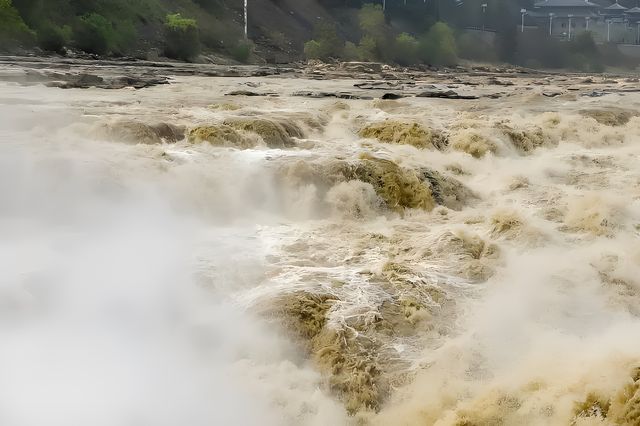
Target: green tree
x=438 y=46
x=326 y=42
x=371 y=20
x=406 y=50
x=13 y=30
x=52 y=38
x=373 y=26
x=182 y=40
x=94 y=34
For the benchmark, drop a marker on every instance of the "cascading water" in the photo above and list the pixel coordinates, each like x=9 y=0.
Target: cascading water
x=313 y=261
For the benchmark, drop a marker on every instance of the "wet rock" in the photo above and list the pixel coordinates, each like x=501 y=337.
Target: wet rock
x=595 y=94
x=250 y=93
x=445 y=94
x=447 y=191
x=392 y=96
x=552 y=93
x=362 y=67
x=85 y=81
x=135 y=82
x=383 y=85
x=136 y=132
x=497 y=82
x=339 y=95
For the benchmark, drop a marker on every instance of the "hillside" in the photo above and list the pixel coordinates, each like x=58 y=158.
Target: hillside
x=278 y=29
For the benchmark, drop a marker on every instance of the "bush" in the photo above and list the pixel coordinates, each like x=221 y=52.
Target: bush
x=371 y=20
x=13 y=30
x=326 y=43
x=406 y=50
x=125 y=37
x=241 y=52
x=368 y=49
x=313 y=50
x=52 y=38
x=182 y=40
x=94 y=34
x=350 y=52
x=438 y=46
x=374 y=28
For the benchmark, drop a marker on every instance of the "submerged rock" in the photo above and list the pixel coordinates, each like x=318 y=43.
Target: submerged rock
x=529 y=139
x=447 y=191
x=347 y=358
x=399 y=188
x=250 y=93
x=473 y=143
x=407 y=133
x=610 y=117
x=85 y=81
x=221 y=135
x=136 y=132
x=274 y=133
x=446 y=94
x=623 y=408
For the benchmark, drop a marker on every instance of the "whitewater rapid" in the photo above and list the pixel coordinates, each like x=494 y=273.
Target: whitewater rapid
x=338 y=279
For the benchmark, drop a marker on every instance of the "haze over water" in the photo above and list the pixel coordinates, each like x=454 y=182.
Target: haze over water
x=335 y=276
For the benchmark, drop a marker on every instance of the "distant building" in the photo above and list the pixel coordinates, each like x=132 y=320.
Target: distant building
x=567 y=18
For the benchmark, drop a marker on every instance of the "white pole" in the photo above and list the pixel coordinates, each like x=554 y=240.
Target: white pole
x=246 y=21
x=608 y=31
x=570 y=16
x=587 y=19
x=523 y=11
x=384 y=5
x=551 y=24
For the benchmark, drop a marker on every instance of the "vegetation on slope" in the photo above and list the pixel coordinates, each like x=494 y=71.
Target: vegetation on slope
x=407 y=33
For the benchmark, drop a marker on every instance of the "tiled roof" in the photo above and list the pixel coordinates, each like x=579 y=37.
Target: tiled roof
x=616 y=6
x=566 y=3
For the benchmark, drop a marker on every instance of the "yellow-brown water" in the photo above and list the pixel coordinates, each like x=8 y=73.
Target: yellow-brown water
x=296 y=261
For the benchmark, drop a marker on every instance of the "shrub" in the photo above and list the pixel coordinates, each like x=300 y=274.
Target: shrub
x=94 y=34
x=52 y=38
x=13 y=30
x=326 y=43
x=350 y=52
x=241 y=52
x=125 y=36
x=373 y=26
x=368 y=49
x=438 y=46
x=182 y=40
x=371 y=20
x=406 y=49
x=313 y=50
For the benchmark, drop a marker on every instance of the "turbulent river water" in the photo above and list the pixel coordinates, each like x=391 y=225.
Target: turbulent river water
x=176 y=256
